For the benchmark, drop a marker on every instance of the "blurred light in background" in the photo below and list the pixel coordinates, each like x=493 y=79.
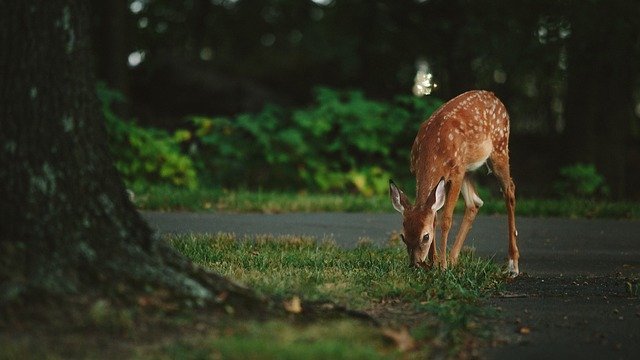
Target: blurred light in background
x=206 y=53
x=499 y=76
x=322 y=2
x=423 y=83
x=135 y=58
x=136 y=6
x=268 y=39
x=143 y=22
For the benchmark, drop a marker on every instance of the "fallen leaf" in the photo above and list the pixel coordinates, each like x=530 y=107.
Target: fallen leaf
x=144 y=301
x=524 y=330
x=327 y=307
x=293 y=305
x=222 y=297
x=401 y=338
x=510 y=295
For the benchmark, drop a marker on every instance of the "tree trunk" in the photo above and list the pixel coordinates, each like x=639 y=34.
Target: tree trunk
x=67 y=224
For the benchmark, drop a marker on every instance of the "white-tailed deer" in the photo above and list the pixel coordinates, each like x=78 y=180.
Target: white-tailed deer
x=459 y=137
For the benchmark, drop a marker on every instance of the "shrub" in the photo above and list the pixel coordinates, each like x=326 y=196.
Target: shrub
x=145 y=156
x=343 y=142
x=580 y=180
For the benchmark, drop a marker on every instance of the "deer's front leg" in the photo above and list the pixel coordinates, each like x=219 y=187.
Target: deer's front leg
x=447 y=217
x=433 y=256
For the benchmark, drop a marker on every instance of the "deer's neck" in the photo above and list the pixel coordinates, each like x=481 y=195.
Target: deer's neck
x=424 y=189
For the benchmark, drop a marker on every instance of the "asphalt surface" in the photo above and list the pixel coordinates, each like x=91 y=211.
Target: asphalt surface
x=571 y=300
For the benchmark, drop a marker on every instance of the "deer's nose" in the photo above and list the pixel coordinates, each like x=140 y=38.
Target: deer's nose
x=419 y=264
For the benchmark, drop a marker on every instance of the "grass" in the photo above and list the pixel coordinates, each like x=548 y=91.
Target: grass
x=288 y=266
x=421 y=314
x=281 y=340
x=442 y=310
x=168 y=199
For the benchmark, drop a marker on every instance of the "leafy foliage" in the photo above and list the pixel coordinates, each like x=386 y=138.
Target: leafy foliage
x=145 y=156
x=581 y=180
x=343 y=142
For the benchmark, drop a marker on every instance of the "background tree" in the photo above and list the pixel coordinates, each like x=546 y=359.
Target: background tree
x=602 y=75
x=68 y=227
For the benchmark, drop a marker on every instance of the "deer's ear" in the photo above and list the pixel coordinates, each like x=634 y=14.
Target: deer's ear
x=398 y=198
x=439 y=195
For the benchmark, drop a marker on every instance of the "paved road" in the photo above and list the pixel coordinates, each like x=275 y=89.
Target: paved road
x=571 y=301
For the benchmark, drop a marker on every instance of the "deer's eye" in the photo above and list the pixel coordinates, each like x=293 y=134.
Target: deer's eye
x=425 y=238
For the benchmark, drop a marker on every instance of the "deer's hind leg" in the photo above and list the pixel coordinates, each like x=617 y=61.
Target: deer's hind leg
x=500 y=162
x=472 y=204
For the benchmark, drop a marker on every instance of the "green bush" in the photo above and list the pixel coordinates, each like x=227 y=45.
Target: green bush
x=344 y=142
x=145 y=156
x=580 y=180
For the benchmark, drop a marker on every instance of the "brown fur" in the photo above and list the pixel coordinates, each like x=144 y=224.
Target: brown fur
x=460 y=136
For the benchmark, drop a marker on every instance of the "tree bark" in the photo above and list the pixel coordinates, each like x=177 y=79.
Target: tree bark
x=67 y=224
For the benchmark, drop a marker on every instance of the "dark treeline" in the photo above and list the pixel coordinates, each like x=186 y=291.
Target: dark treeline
x=567 y=70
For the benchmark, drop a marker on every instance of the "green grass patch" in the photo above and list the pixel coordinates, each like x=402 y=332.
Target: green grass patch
x=287 y=266
x=169 y=199
x=282 y=340
x=442 y=309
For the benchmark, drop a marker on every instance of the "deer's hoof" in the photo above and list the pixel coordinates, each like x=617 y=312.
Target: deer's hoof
x=512 y=268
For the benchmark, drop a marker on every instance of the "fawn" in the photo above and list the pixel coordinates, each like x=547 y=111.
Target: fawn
x=458 y=137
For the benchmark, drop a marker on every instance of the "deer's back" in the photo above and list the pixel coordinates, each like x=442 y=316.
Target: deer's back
x=461 y=133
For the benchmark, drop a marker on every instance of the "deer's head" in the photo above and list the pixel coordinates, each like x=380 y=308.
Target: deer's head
x=417 y=221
